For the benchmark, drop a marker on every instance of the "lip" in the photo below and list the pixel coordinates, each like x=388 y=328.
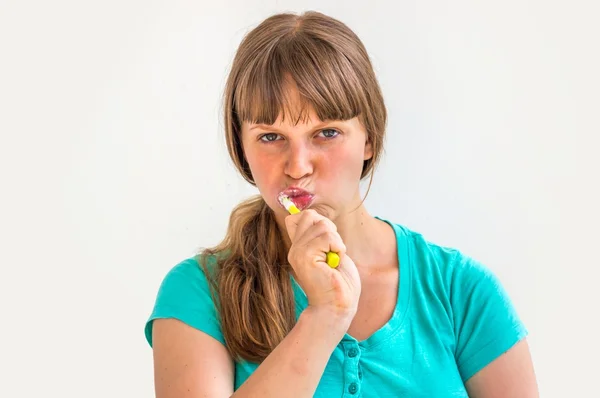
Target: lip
x=295 y=191
x=301 y=197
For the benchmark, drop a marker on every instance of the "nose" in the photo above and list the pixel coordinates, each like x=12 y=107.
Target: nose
x=299 y=162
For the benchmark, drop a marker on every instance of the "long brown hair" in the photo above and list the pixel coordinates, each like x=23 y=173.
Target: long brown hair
x=333 y=74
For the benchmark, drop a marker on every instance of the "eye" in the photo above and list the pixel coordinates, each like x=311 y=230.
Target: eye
x=269 y=137
x=329 y=133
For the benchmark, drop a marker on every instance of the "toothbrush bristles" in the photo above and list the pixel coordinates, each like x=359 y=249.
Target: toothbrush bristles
x=288 y=204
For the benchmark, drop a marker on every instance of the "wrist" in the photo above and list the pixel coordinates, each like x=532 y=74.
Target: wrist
x=328 y=322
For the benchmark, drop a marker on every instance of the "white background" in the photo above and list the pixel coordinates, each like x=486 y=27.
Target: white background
x=113 y=167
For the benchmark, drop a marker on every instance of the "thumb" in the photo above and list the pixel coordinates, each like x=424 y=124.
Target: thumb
x=291 y=224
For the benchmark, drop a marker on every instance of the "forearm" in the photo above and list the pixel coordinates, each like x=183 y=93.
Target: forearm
x=296 y=365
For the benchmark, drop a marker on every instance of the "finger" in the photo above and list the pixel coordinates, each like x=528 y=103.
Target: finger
x=329 y=242
x=296 y=223
x=331 y=225
x=349 y=272
x=312 y=232
x=306 y=220
x=291 y=225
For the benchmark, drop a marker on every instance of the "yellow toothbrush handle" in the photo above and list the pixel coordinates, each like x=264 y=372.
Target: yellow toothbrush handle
x=293 y=209
x=333 y=259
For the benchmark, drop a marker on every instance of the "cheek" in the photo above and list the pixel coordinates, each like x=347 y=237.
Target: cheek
x=263 y=167
x=344 y=164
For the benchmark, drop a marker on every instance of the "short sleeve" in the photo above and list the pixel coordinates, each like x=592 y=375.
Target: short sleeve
x=486 y=324
x=184 y=294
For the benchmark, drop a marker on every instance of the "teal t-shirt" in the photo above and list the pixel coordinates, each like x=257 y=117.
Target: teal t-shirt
x=451 y=319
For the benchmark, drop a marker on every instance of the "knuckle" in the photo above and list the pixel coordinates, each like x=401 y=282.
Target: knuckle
x=322 y=225
x=332 y=236
x=330 y=224
x=308 y=213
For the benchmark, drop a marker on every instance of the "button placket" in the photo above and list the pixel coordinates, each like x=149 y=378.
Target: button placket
x=352 y=370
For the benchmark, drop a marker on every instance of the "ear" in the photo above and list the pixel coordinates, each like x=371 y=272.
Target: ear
x=368 y=150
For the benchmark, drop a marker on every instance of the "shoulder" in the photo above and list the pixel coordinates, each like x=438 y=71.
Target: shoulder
x=187 y=277
x=484 y=320
x=448 y=270
x=427 y=256
x=190 y=270
x=185 y=293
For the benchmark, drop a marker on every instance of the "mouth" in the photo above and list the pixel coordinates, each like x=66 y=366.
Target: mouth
x=301 y=198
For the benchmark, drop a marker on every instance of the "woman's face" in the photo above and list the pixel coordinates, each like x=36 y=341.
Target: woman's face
x=323 y=158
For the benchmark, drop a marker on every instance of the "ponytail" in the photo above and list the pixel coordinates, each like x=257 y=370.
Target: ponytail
x=251 y=283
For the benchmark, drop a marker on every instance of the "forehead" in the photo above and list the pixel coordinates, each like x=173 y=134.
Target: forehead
x=283 y=100
x=294 y=110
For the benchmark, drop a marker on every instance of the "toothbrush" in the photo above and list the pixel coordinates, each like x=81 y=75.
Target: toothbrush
x=333 y=259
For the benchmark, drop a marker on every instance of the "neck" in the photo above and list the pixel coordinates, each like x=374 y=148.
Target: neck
x=362 y=234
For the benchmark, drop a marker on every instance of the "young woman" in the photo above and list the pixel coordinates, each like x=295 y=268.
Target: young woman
x=264 y=315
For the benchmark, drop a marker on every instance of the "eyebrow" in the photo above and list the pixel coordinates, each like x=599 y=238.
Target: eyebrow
x=271 y=127
x=261 y=126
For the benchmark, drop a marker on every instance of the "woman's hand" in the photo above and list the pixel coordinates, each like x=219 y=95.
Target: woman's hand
x=328 y=290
